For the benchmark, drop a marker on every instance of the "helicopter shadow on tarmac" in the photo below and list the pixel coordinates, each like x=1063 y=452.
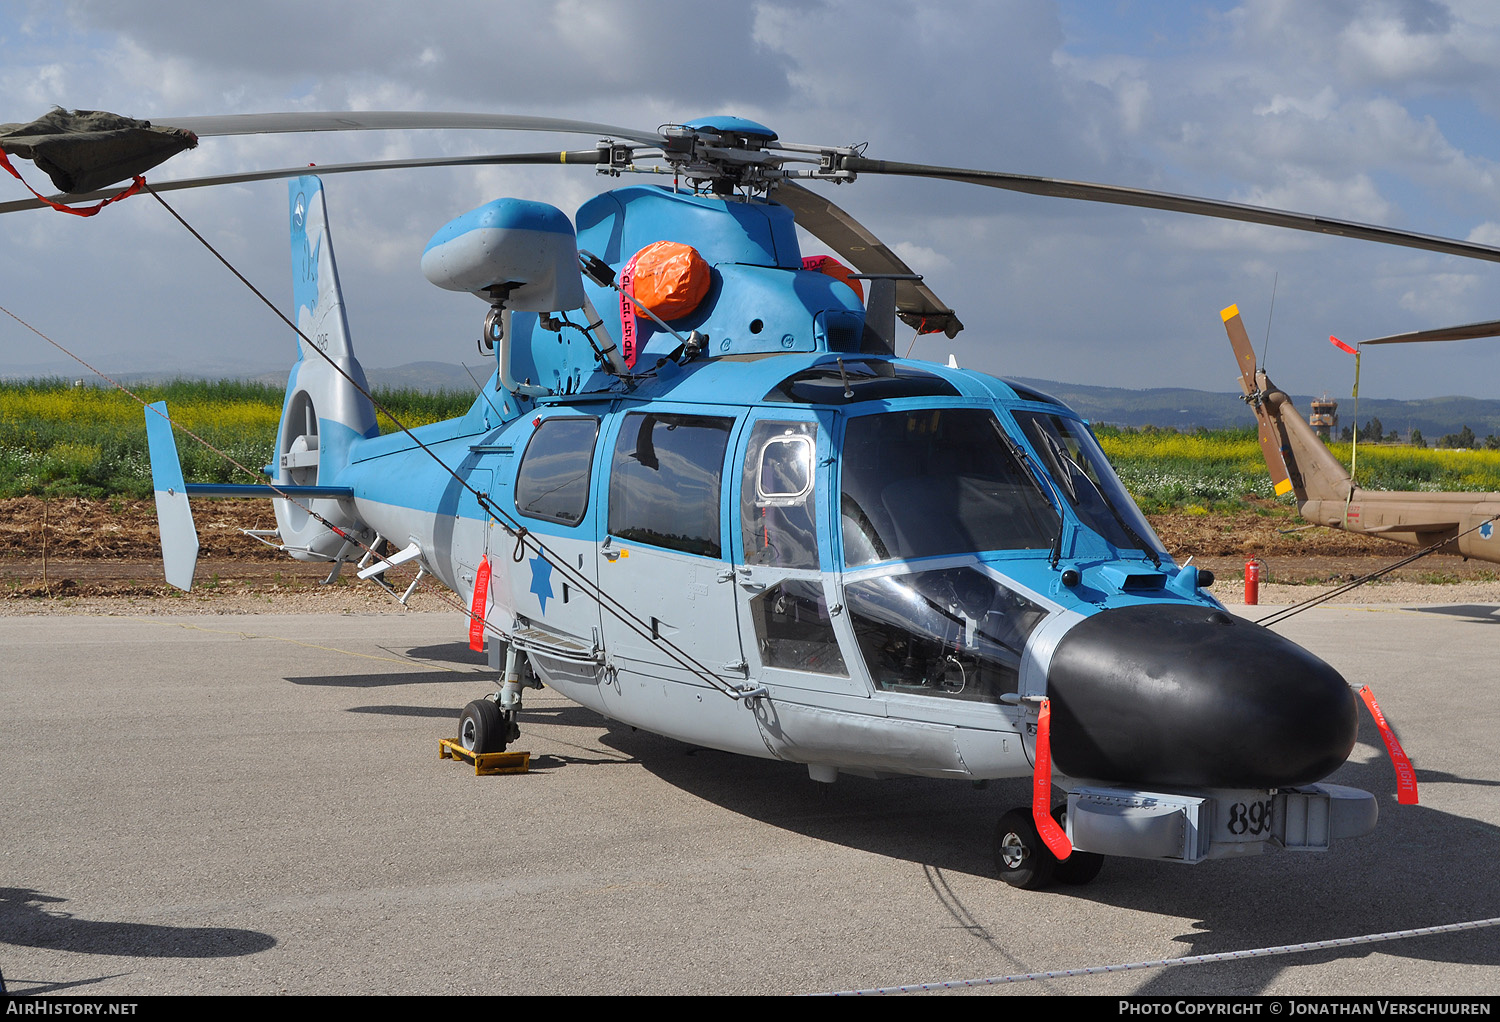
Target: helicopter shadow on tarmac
x=458 y=654
x=456 y=661
x=1422 y=867
x=1485 y=613
x=30 y=918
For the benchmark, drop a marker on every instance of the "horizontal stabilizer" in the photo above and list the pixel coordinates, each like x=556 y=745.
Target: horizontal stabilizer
x=412 y=552
x=174 y=519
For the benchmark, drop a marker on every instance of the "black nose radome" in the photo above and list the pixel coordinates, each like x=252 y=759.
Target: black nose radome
x=1177 y=694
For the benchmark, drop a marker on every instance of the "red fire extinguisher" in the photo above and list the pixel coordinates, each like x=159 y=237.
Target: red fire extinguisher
x=1252 y=582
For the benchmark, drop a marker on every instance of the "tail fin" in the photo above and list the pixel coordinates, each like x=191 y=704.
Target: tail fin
x=1297 y=459
x=325 y=411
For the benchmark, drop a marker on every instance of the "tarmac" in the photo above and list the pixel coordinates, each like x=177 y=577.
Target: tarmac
x=255 y=805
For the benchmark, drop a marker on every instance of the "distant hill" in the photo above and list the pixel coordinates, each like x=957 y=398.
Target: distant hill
x=1183 y=409
x=435 y=376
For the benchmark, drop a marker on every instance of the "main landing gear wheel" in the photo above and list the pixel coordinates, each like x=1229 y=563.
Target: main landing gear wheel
x=483 y=728
x=1020 y=856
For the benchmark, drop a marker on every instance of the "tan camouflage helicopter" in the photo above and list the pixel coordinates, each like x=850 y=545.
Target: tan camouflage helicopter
x=1455 y=523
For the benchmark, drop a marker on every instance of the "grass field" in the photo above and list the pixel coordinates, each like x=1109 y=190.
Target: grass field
x=60 y=440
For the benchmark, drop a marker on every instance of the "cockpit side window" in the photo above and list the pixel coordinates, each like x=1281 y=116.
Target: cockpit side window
x=778 y=502
x=935 y=481
x=665 y=481
x=1073 y=458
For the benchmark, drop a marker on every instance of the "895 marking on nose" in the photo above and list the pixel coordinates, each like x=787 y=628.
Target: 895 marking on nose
x=1252 y=818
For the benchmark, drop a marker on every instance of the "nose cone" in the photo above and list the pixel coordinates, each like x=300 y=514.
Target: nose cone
x=1178 y=694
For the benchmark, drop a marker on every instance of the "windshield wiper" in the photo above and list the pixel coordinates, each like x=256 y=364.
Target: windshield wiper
x=1038 y=476
x=1058 y=451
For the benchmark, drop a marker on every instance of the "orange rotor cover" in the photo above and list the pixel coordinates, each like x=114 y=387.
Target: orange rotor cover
x=670 y=278
x=836 y=270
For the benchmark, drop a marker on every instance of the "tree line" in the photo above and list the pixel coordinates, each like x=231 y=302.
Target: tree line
x=1374 y=431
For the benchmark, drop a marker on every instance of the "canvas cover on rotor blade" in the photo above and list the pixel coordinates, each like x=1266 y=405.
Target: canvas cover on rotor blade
x=81 y=150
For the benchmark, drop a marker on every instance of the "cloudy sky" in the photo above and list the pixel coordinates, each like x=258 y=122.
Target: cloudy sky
x=1383 y=111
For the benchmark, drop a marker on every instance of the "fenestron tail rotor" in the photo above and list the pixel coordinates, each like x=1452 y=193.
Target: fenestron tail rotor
x=1251 y=384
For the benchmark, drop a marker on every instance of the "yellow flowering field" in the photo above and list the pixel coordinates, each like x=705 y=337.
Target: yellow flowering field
x=58 y=438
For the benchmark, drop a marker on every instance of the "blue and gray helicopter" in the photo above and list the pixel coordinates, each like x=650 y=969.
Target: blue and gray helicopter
x=701 y=495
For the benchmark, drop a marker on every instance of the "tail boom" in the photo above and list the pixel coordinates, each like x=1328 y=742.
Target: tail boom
x=1464 y=523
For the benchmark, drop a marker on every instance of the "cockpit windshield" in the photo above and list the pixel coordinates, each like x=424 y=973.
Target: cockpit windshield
x=1085 y=479
x=935 y=481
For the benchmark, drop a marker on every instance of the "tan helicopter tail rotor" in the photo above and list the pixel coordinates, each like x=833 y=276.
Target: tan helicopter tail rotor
x=1298 y=461
x=1270 y=436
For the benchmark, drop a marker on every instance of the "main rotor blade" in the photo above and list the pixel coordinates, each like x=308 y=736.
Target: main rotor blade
x=392 y=120
x=1447 y=333
x=917 y=306
x=1122 y=196
x=582 y=157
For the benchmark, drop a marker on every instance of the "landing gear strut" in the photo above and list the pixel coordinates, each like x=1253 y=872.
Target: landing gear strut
x=489 y=724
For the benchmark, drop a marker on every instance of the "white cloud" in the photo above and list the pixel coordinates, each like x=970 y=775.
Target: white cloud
x=920 y=255
x=1487 y=233
x=1439 y=294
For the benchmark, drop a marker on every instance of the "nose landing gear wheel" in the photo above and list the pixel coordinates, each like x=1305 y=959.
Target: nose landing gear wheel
x=1025 y=861
x=1020 y=856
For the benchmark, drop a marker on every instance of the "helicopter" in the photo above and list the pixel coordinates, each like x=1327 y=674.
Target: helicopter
x=701 y=495
x=1301 y=464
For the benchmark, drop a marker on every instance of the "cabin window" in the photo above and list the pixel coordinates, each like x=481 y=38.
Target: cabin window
x=794 y=630
x=956 y=633
x=553 y=481
x=935 y=481
x=666 y=479
x=778 y=501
